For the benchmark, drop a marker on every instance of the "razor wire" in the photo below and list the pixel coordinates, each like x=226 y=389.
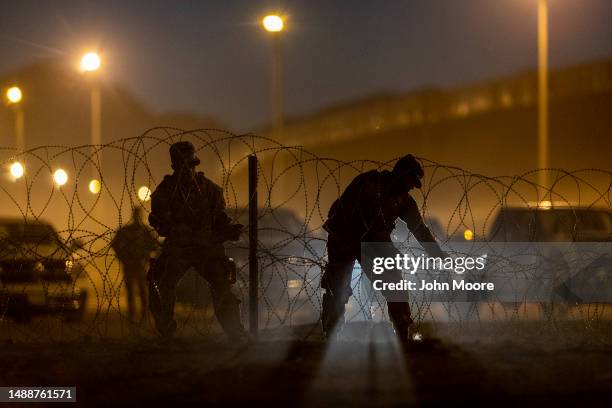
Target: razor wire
x=296 y=189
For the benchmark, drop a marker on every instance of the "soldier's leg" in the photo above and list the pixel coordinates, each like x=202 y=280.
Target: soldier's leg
x=128 y=281
x=225 y=303
x=164 y=275
x=142 y=291
x=400 y=315
x=336 y=281
x=398 y=306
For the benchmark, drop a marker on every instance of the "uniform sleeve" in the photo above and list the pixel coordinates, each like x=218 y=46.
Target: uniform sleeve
x=151 y=242
x=121 y=243
x=219 y=202
x=412 y=217
x=159 y=218
x=221 y=219
x=116 y=241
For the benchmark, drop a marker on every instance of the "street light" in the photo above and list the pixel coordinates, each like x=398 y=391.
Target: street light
x=94 y=186
x=60 y=177
x=542 y=92
x=144 y=193
x=90 y=63
x=17 y=170
x=274 y=25
x=468 y=235
x=14 y=95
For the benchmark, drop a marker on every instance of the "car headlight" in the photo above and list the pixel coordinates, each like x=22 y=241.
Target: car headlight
x=69 y=265
x=39 y=267
x=294 y=284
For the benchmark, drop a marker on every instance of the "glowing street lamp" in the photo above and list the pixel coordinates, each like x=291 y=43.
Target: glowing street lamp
x=90 y=62
x=144 y=193
x=468 y=235
x=94 y=186
x=545 y=205
x=273 y=23
x=14 y=94
x=17 y=170
x=60 y=177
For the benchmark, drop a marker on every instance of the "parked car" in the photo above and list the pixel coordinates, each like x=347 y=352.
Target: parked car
x=561 y=253
x=38 y=272
x=552 y=224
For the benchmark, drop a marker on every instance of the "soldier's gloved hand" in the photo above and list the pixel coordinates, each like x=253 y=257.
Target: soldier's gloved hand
x=234 y=231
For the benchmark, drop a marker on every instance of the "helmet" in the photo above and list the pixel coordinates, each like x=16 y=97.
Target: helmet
x=183 y=153
x=408 y=165
x=137 y=213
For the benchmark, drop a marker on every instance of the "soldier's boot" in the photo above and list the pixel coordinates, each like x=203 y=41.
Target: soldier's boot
x=332 y=315
x=227 y=310
x=399 y=313
x=166 y=328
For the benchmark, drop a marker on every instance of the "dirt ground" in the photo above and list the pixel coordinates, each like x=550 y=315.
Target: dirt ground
x=367 y=368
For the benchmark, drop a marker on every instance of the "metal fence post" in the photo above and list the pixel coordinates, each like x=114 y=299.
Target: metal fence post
x=253 y=267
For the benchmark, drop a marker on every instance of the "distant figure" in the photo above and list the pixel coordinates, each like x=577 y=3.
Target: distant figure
x=366 y=212
x=189 y=210
x=133 y=245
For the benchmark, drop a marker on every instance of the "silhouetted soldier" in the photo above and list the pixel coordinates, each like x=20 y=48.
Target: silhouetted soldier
x=189 y=210
x=133 y=244
x=366 y=212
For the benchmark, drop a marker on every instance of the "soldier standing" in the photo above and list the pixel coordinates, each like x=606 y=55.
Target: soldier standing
x=366 y=212
x=133 y=244
x=189 y=210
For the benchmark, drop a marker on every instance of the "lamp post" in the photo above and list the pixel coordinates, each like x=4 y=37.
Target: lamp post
x=14 y=95
x=274 y=25
x=543 y=158
x=90 y=64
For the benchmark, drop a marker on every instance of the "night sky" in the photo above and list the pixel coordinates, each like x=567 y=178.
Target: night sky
x=212 y=57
